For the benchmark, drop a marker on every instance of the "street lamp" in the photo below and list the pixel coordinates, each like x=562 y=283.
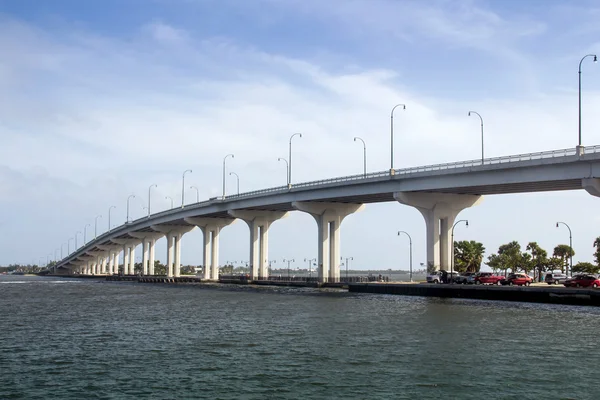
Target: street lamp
x=452 y=248
x=197 y=193
x=76 y=233
x=96 y=226
x=56 y=255
x=410 y=244
x=238 y=181
x=183 y=187
x=225 y=159
x=570 y=245
x=110 y=208
x=85 y=233
x=69 y=246
x=392 y=134
x=149 y=188
x=131 y=196
x=310 y=261
x=288 y=263
x=290 y=158
x=346 y=265
x=595 y=60
x=170 y=198
x=481 y=119
x=364 y=154
x=61 y=248
x=287 y=169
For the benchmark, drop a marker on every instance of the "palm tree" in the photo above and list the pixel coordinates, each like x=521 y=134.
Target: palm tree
x=538 y=257
x=563 y=251
x=468 y=255
x=597 y=253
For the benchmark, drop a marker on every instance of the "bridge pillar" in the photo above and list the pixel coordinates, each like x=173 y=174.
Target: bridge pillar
x=259 y=223
x=148 y=242
x=210 y=227
x=103 y=268
x=329 y=217
x=439 y=211
x=128 y=246
x=174 y=233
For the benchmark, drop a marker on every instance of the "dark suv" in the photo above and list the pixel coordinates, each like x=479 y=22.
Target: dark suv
x=553 y=278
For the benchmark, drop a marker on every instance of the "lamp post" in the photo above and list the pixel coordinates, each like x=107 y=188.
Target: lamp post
x=56 y=255
x=410 y=248
x=595 y=60
x=452 y=248
x=364 y=154
x=149 y=189
x=238 y=181
x=224 y=166
x=131 y=196
x=287 y=169
x=183 y=187
x=85 y=233
x=392 y=135
x=290 y=158
x=570 y=245
x=481 y=119
x=110 y=208
x=197 y=193
x=348 y=259
x=69 y=246
x=310 y=261
x=61 y=248
x=96 y=226
x=170 y=198
x=76 y=233
x=288 y=264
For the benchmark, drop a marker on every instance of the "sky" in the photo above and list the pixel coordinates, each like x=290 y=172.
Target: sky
x=101 y=99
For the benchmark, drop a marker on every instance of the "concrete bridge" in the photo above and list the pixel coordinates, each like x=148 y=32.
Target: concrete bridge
x=440 y=192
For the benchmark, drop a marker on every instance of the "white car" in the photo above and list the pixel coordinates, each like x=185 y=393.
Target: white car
x=437 y=276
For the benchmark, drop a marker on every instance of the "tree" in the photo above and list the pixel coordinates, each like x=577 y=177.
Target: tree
x=586 y=268
x=513 y=258
x=597 y=253
x=159 y=269
x=538 y=258
x=564 y=252
x=497 y=263
x=468 y=255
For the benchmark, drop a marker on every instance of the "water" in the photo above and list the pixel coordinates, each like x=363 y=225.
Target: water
x=82 y=339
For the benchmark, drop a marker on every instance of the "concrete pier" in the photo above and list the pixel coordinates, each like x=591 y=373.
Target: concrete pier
x=551 y=294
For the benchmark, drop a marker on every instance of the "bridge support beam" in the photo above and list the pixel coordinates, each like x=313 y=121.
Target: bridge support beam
x=129 y=246
x=110 y=254
x=259 y=223
x=439 y=211
x=592 y=186
x=174 y=233
x=329 y=217
x=148 y=242
x=210 y=227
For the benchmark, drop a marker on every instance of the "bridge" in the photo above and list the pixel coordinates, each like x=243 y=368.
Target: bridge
x=440 y=192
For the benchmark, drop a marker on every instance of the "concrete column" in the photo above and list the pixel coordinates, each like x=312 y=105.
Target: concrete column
x=144 y=257
x=259 y=223
x=104 y=260
x=210 y=227
x=111 y=262
x=177 y=249
x=132 y=260
x=169 y=255
x=125 y=260
x=206 y=257
x=329 y=217
x=439 y=211
x=152 y=244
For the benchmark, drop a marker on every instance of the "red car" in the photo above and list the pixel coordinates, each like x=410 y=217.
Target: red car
x=583 y=281
x=487 y=278
x=517 y=279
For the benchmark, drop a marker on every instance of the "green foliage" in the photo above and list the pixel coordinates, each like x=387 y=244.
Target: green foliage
x=597 y=252
x=468 y=255
x=564 y=252
x=512 y=256
x=585 y=267
x=539 y=258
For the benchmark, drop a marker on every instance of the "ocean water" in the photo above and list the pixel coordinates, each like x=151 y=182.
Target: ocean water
x=90 y=339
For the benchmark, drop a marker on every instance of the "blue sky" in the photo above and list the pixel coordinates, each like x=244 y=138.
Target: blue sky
x=102 y=98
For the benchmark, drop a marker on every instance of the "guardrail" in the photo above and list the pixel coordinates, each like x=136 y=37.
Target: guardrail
x=366 y=177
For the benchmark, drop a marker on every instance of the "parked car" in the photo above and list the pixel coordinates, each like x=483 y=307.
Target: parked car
x=583 y=280
x=517 y=279
x=441 y=276
x=488 y=278
x=465 y=278
x=553 y=278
